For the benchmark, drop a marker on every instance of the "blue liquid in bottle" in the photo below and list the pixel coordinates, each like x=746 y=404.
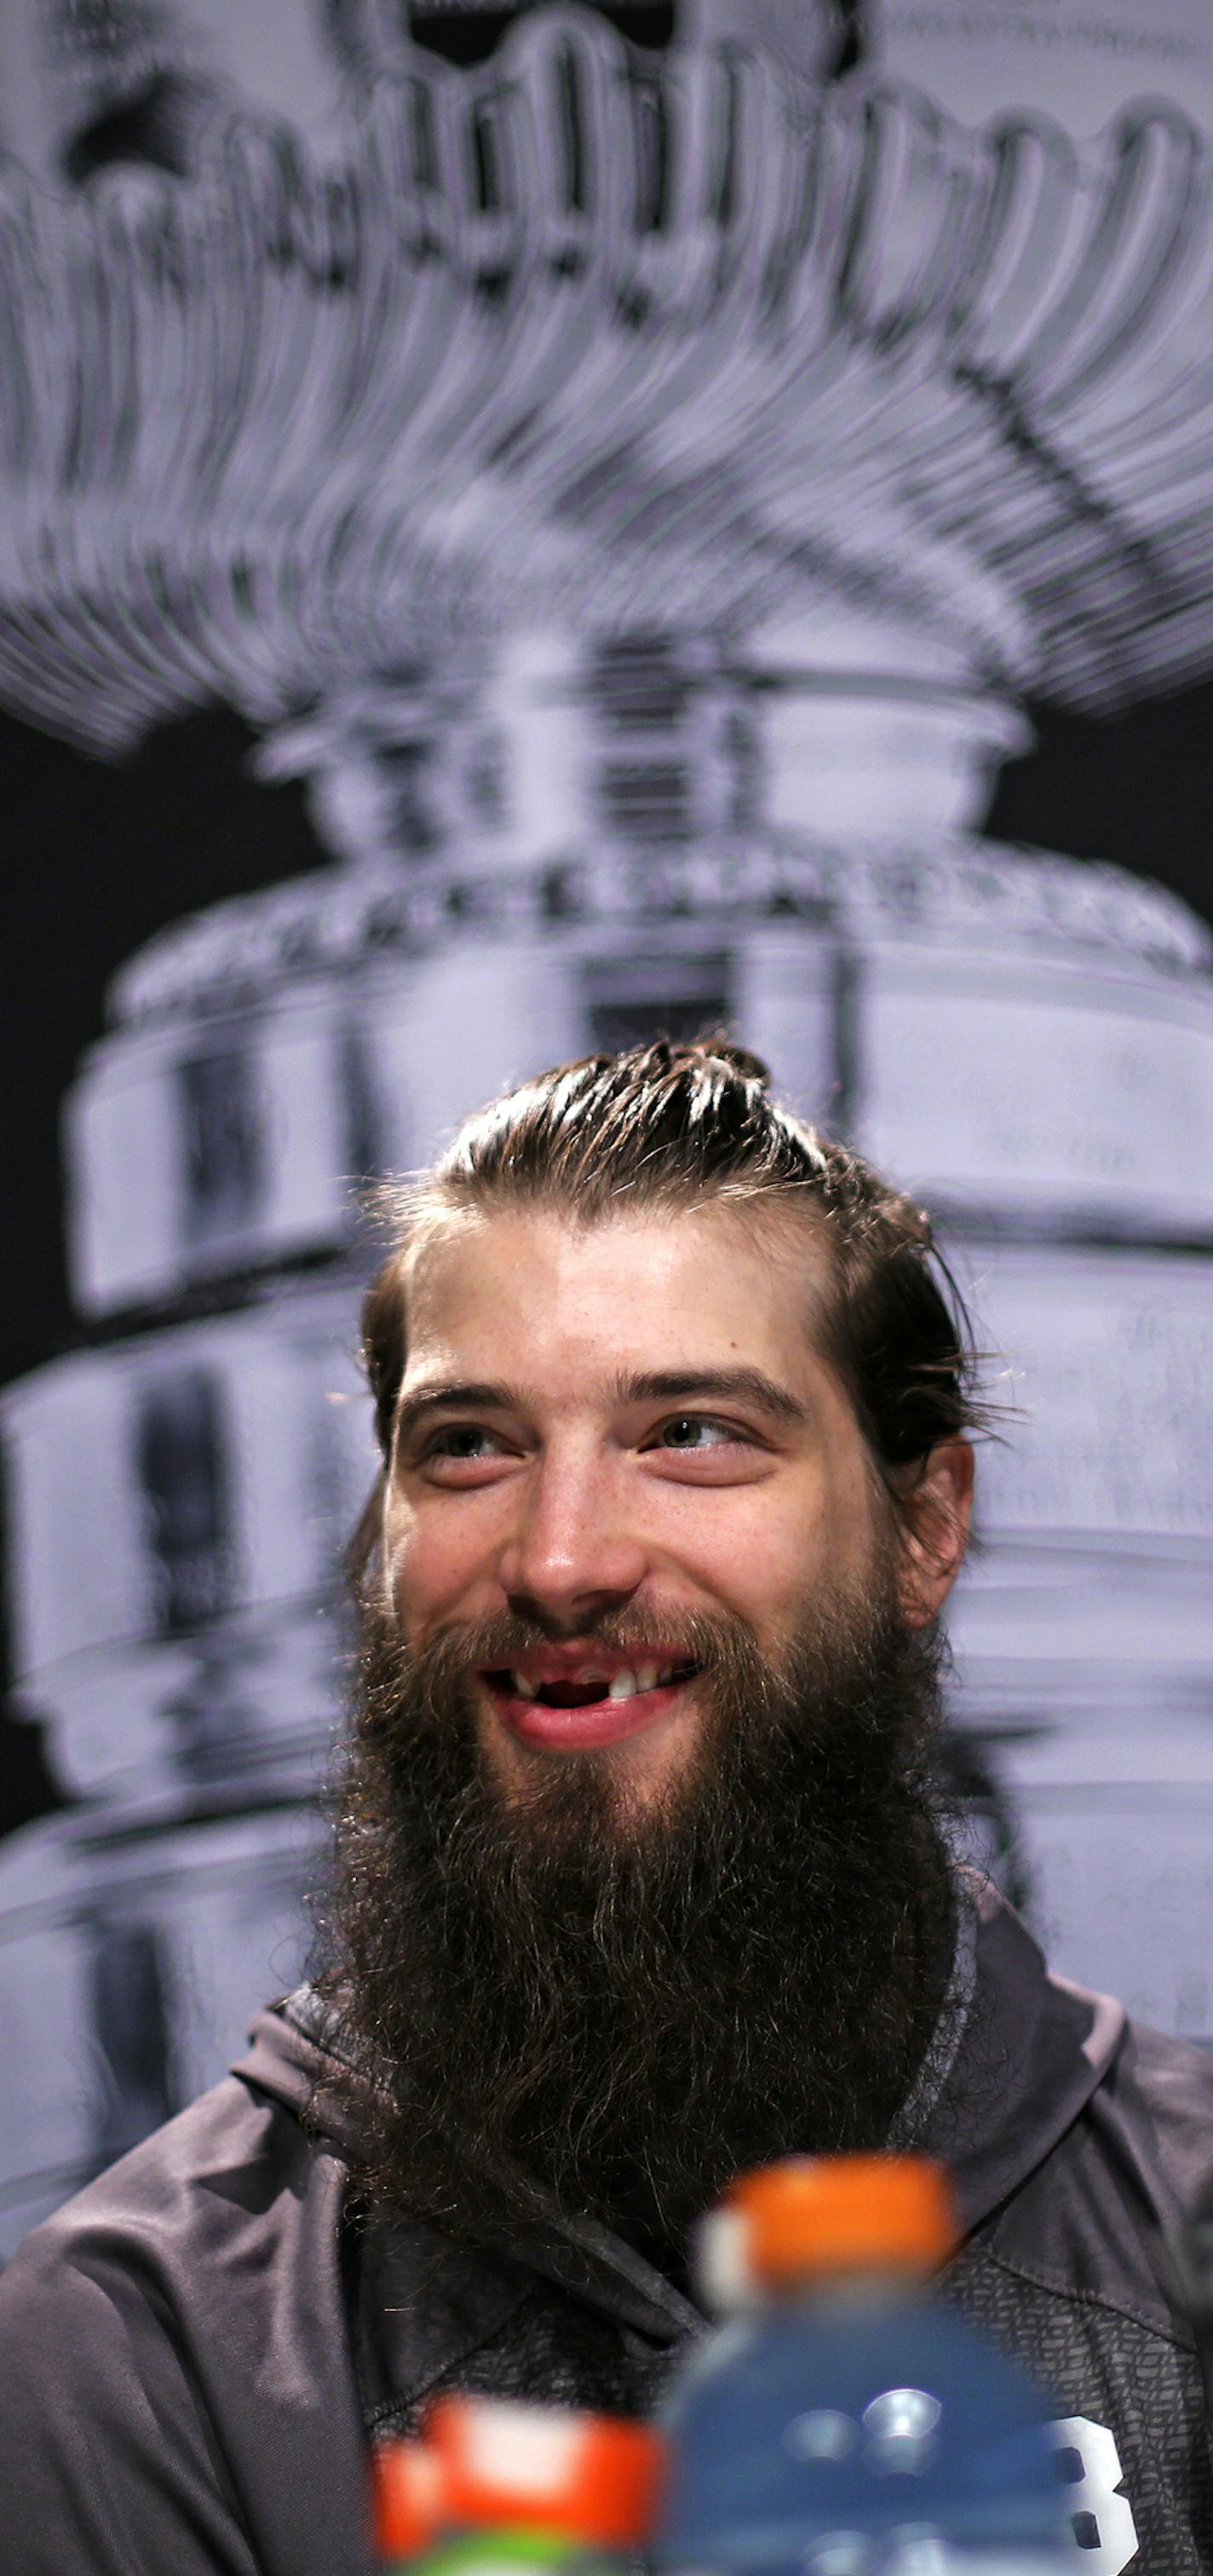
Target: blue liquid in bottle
x=843 y=2423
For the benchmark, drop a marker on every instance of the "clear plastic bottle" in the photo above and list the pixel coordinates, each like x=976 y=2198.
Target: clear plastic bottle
x=500 y=2488
x=843 y=2422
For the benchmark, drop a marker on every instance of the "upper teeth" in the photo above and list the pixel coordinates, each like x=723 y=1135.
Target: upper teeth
x=622 y=1685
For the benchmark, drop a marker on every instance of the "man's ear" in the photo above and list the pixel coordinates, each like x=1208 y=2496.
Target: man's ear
x=935 y=1509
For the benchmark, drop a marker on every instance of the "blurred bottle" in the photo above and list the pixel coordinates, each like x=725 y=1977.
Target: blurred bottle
x=404 y=2502
x=842 y=2422
x=499 y=2488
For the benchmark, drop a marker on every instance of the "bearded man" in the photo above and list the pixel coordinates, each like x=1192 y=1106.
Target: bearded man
x=643 y=1876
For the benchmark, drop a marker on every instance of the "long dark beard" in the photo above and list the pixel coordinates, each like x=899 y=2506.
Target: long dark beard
x=545 y=1994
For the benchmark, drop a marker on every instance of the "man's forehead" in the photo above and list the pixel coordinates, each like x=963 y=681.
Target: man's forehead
x=721 y=1277
x=456 y=1247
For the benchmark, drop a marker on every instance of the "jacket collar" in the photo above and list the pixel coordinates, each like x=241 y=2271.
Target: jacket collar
x=295 y=2054
x=1033 y=2051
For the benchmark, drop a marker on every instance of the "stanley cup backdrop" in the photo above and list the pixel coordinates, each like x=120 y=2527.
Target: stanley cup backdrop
x=633 y=465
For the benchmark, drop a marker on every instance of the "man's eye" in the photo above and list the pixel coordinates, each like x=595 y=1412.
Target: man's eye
x=461 y=1440
x=695 y=1431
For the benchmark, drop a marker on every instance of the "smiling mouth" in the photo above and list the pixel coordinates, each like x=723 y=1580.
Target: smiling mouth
x=590 y=1688
x=575 y=1712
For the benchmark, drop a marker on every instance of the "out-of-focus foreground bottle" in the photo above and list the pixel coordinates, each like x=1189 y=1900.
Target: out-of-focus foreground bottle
x=498 y=2488
x=842 y=2421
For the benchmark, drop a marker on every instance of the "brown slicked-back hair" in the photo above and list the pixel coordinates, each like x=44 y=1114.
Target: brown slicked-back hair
x=670 y=1126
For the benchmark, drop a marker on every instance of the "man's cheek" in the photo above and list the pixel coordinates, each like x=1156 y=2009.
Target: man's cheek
x=426 y=1575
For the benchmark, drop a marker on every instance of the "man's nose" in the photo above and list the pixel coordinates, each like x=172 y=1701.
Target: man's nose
x=572 y=1555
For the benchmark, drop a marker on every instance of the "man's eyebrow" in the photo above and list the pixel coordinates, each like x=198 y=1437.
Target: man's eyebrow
x=471 y=1395
x=654 y=1386
x=747 y=1385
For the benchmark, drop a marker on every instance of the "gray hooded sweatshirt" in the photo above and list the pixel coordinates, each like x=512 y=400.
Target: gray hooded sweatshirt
x=196 y=2352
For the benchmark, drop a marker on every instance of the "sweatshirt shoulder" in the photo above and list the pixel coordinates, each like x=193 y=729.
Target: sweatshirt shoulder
x=178 y=2387
x=1163 y=2089
x=206 y=2175
x=1091 y=2220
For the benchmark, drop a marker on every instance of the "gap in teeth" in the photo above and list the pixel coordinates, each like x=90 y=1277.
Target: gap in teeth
x=622 y=1685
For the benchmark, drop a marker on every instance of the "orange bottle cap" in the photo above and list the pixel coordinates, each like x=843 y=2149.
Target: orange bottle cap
x=502 y=2461
x=810 y=2215
x=405 y=2493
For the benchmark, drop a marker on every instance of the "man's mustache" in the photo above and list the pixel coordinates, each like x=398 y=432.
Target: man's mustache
x=495 y=1644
